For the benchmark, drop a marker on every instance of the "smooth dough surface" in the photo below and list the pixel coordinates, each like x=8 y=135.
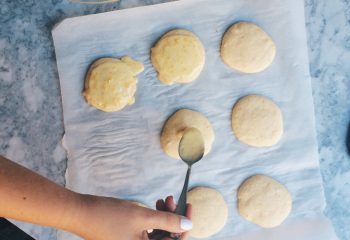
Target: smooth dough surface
x=264 y=201
x=247 y=48
x=175 y=126
x=257 y=121
x=110 y=83
x=209 y=211
x=178 y=57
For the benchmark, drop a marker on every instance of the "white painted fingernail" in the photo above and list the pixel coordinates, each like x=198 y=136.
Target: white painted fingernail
x=186 y=224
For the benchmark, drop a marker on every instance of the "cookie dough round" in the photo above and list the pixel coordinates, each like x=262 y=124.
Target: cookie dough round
x=175 y=126
x=247 y=48
x=178 y=57
x=257 y=121
x=209 y=209
x=110 y=83
x=264 y=201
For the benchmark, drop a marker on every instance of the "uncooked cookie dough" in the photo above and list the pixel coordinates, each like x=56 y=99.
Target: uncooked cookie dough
x=110 y=83
x=175 y=126
x=257 y=121
x=247 y=48
x=264 y=201
x=209 y=209
x=178 y=57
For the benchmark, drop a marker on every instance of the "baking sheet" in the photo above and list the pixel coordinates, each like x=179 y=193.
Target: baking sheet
x=119 y=154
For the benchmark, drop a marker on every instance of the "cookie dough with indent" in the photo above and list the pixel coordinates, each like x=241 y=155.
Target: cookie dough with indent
x=209 y=211
x=264 y=201
x=247 y=48
x=178 y=57
x=110 y=83
x=175 y=126
x=257 y=121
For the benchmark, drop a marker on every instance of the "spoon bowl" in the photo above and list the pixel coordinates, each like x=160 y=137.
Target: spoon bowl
x=191 y=146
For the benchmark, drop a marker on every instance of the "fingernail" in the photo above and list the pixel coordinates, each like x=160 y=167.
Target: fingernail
x=186 y=224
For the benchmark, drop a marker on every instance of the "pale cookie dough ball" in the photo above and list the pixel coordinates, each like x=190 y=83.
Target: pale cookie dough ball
x=110 y=83
x=264 y=201
x=257 y=121
x=247 y=48
x=178 y=57
x=175 y=126
x=209 y=211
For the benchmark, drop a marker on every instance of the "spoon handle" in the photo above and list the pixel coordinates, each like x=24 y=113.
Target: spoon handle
x=180 y=208
x=181 y=203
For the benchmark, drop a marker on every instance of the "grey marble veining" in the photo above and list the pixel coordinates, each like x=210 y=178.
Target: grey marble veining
x=30 y=106
x=328 y=25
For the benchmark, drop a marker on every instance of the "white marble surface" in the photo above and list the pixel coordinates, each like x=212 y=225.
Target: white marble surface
x=30 y=106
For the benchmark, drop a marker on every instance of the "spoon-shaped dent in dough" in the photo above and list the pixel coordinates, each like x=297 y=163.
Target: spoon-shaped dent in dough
x=264 y=201
x=110 y=83
x=210 y=211
x=247 y=48
x=178 y=57
x=176 y=124
x=257 y=121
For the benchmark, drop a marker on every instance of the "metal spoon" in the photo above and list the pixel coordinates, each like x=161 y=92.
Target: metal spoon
x=191 y=150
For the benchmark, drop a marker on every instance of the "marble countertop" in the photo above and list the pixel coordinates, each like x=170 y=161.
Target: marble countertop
x=30 y=105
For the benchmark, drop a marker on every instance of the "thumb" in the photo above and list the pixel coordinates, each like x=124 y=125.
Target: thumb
x=167 y=221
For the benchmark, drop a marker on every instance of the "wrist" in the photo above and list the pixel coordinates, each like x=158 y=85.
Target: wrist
x=82 y=218
x=75 y=214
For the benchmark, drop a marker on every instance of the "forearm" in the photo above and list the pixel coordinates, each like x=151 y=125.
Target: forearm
x=29 y=197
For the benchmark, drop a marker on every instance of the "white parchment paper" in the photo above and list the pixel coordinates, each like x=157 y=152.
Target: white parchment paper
x=119 y=154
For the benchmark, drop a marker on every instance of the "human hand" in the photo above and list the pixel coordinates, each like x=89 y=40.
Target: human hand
x=103 y=218
x=91 y=217
x=169 y=206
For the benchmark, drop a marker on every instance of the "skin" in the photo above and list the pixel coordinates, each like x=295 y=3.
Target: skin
x=29 y=197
